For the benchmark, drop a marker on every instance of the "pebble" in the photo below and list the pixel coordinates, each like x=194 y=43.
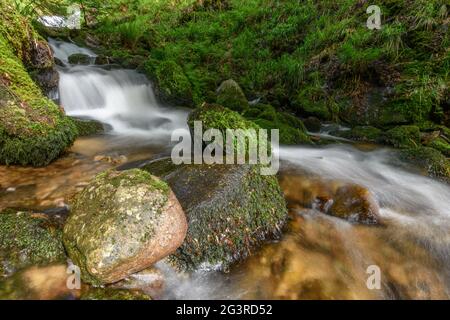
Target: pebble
x=11 y=189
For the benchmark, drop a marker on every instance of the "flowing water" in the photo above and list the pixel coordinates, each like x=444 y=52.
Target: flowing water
x=319 y=256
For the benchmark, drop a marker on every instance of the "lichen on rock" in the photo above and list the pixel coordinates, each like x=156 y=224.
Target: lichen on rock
x=122 y=223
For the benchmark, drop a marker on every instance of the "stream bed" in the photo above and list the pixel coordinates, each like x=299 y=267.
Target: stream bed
x=318 y=257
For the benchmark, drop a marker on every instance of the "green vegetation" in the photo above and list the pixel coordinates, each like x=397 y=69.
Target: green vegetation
x=33 y=130
x=27 y=239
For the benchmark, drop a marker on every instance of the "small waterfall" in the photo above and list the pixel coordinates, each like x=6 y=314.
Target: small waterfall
x=123 y=99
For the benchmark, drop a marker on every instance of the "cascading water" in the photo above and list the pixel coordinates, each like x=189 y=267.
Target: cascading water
x=319 y=256
x=123 y=99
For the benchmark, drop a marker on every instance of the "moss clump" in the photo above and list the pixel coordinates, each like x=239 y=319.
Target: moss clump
x=80 y=58
x=403 y=136
x=231 y=96
x=33 y=130
x=113 y=294
x=291 y=129
x=363 y=133
x=214 y=116
x=27 y=239
x=231 y=209
x=429 y=159
x=88 y=127
x=172 y=84
x=441 y=145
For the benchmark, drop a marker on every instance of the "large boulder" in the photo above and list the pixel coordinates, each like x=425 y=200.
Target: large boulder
x=28 y=239
x=231 y=209
x=230 y=95
x=122 y=223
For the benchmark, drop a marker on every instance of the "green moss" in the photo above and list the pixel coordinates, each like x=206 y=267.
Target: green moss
x=403 y=136
x=231 y=210
x=26 y=239
x=441 y=145
x=429 y=159
x=103 y=208
x=363 y=133
x=173 y=85
x=88 y=127
x=231 y=96
x=33 y=130
x=291 y=129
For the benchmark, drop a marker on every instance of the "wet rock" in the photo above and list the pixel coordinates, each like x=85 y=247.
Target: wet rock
x=28 y=239
x=111 y=159
x=362 y=133
x=313 y=124
x=403 y=136
x=122 y=223
x=231 y=210
x=355 y=204
x=80 y=58
x=430 y=160
x=87 y=127
x=231 y=96
x=102 y=60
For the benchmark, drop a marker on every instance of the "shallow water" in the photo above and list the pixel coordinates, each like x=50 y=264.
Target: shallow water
x=319 y=257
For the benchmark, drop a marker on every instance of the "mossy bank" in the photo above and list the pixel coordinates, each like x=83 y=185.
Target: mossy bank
x=33 y=129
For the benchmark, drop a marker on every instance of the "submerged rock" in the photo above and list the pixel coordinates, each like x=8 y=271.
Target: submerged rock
x=38 y=283
x=80 y=58
x=356 y=204
x=231 y=96
x=231 y=209
x=347 y=201
x=122 y=223
x=28 y=239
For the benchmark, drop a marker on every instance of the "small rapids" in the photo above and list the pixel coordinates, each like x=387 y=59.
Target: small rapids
x=318 y=257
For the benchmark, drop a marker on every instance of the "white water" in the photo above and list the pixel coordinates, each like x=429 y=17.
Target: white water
x=413 y=206
x=123 y=99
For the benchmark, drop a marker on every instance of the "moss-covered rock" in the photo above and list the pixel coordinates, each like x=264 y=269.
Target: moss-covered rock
x=122 y=223
x=28 y=239
x=362 y=133
x=231 y=209
x=172 y=84
x=313 y=124
x=80 y=58
x=33 y=130
x=231 y=96
x=87 y=127
x=428 y=159
x=291 y=129
x=113 y=294
x=403 y=136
